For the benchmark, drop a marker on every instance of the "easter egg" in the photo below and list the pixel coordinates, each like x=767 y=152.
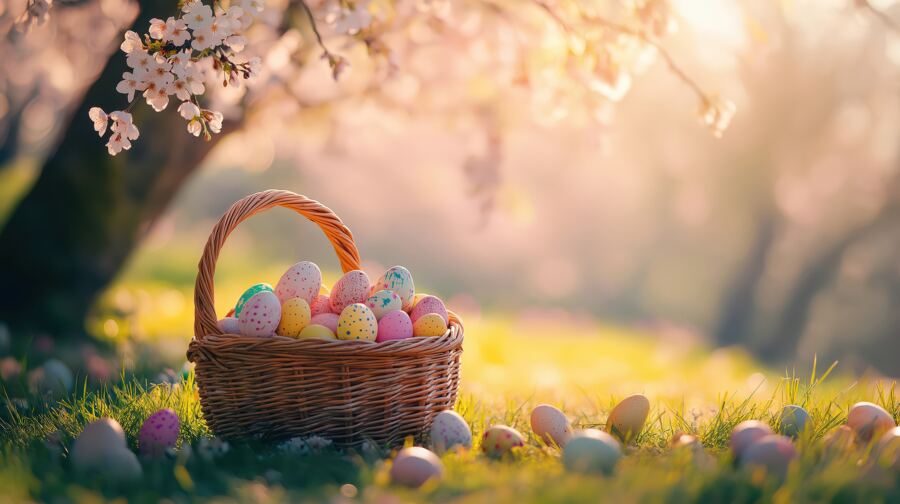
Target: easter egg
x=449 y=430
x=772 y=452
x=229 y=325
x=887 y=451
x=429 y=304
x=591 y=451
x=793 y=420
x=416 y=298
x=627 y=419
x=839 y=440
x=746 y=433
x=429 y=326
x=500 y=440
x=120 y=465
x=394 y=326
x=321 y=304
x=95 y=442
x=682 y=440
x=261 y=315
x=551 y=425
x=53 y=377
x=316 y=331
x=357 y=322
x=329 y=320
x=301 y=280
x=352 y=288
x=158 y=433
x=295 y=315
x=249 y=293
x=414 y=466
x=869 y=421
x=398 y=279
x=382 y=302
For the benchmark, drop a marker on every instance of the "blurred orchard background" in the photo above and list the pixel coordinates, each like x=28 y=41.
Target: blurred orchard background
x=536 y=196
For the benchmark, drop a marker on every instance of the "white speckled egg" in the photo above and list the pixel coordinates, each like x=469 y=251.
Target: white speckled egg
x=551 y=425
x=429 y=325
x=158 y=433
x=793 y=420
x=295 y=315
x=316 y=331
x=303 y=280
x=414 y=466
x=384 y=301
x=746 y=433
x=449 y=430
x=627 y=419
x=249 y=293
x=772 y=452
x=501 y=440
x=869 y=421
x=429 y=304
x=229 y=325
x=329 y=320
x=321 y=304
x=398 y=279
x=357 y=322
x=260 y=315
x=95 y=442
x=394 y=326
x=352 y=288
x=592 y=451
x=53 y=377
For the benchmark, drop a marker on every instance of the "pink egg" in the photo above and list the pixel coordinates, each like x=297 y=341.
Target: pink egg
x=429 y=304
x=260 y=315
x=158 y=433
x=394 y=325
x=352 y=288
x=321 y=304
x=329 y=320
x=301 y=280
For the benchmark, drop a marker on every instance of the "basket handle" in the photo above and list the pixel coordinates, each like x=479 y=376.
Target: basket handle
x=204 y=295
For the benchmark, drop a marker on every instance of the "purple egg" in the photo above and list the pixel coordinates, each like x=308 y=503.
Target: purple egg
x=158 y=433
x=394 y=325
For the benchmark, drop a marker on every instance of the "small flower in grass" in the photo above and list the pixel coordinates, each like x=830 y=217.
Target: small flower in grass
x=100 y=119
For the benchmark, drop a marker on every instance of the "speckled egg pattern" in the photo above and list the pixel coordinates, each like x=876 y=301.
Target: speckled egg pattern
x=229 y=325
x=352 y=288
x=429 y=304
x=450 y=430
x=321 y=304
x=396 y=325
x=398 y=279
x=301 y=280
x=158 y=433
x=261 y=315
x=384 y=301
x=429 y=325
x=357 y=322
x=295 y=316
x=500 y=440
x=329 y=320
x=249 y=293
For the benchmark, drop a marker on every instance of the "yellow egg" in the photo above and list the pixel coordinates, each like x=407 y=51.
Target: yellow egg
x=295 y=315
x=357 y=322
x=429 y=325
x=316 y=331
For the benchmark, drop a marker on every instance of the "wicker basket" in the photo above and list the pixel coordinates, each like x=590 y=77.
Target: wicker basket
x=345 y=391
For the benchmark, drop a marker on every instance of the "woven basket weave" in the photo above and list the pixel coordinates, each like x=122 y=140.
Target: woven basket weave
x=345 y=391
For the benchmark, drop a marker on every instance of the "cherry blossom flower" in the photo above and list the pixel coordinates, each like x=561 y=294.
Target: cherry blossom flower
x=350 y=20
x=100 y=119
x=214 y=120
x=124 y=131
x=188 y=110
x=131 y=43
x=178 y=31
x=139 y=60
x=130 y=85
x=197 y=16
x=194 y=127
x=236 y=42
x=179 y=60
x=157 y=29
x=156 y=94
x=180 y=89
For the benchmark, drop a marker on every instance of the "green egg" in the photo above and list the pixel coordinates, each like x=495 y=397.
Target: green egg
x=249 y=293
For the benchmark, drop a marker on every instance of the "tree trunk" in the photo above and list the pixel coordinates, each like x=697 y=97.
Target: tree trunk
x=87 y=210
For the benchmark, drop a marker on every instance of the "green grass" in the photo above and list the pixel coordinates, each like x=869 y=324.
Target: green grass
x=33 y=468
